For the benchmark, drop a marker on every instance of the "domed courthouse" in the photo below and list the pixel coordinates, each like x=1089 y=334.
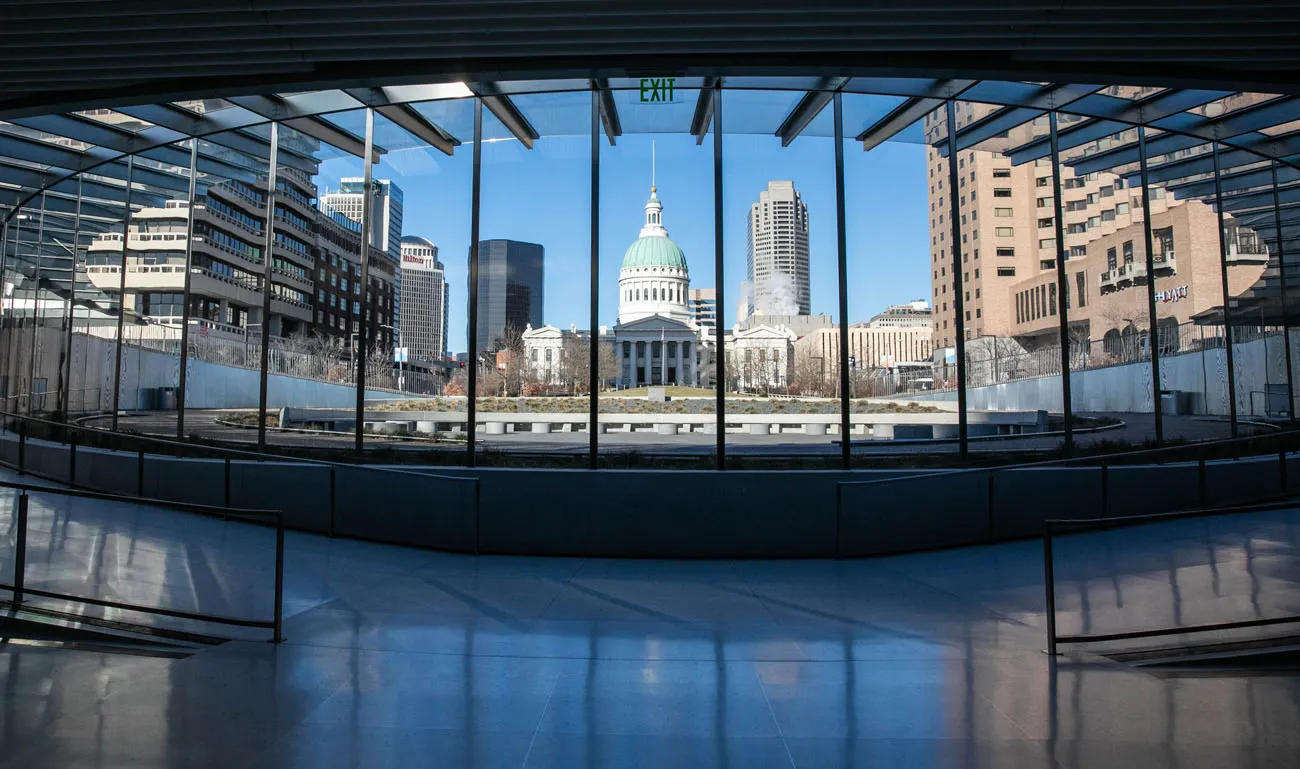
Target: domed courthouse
x=655 y=341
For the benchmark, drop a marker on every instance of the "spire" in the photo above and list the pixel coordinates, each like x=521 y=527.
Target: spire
x=652 y=166
x=654 y=210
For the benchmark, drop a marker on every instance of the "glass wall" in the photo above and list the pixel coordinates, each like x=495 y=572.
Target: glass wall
x=657 y=287
x=896 y=274
x=781 y=262
x=133 y=310
x=534 y=280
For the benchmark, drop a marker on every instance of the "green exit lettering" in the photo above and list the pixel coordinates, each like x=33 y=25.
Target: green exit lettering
x=657 y=89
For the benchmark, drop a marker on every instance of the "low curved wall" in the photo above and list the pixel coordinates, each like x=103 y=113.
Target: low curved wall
x=668 y=514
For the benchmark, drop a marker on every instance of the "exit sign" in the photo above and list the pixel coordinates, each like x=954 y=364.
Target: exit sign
x=658 y=90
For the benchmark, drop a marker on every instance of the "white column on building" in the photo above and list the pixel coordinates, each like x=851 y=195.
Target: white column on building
x=681 y=373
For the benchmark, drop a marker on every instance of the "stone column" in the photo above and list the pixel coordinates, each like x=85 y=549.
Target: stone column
x=681 y=373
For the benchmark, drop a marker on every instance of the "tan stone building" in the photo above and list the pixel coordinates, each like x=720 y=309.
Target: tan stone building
x=1008 y=241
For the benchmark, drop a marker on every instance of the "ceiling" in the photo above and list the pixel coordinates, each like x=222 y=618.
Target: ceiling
x=62 y=55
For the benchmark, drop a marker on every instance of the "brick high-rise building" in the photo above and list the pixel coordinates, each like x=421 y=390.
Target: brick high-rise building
x=1008 y=271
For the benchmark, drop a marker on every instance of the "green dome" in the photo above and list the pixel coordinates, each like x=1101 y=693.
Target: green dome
x=654 y=251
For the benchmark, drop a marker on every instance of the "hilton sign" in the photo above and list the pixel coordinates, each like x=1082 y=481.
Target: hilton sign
x=424 y=263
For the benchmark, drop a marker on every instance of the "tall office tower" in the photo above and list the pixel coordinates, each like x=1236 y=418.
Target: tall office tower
x=385 y=223
x=510 y=279
x=702 y=304
x=776 y=270
x=424 y=309
x=385 y=210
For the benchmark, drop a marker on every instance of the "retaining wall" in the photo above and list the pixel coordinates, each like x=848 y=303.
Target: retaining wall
x=677 y=514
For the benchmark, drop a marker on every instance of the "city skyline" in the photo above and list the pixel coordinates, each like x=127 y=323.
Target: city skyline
x=885 y=219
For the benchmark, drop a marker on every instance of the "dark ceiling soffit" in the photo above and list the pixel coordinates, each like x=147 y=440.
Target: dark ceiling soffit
x=361 y=74
x=808 y=108
x=703 y=115
x=608 y=110
x=506 y=111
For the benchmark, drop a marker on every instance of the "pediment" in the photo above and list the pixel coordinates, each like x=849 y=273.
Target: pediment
x=654 y=323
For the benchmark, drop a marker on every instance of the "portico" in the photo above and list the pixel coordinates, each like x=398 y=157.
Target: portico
x=656 y=351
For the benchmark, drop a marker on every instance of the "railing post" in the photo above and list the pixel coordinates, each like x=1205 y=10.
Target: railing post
x=22 y=446
x=277 y=634
x=20 y=549
x=72 y=460
x=1049 y=577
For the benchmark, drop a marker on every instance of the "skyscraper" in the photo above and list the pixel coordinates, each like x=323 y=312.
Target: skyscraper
x=776 y=268
x=424 y=311
x=510 y=279
x=385 y=210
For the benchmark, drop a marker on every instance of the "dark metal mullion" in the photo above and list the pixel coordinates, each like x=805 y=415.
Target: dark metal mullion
x=267 y=261
x=1227 y=297
x=959 y=306
x=471 y=414
x=1062 y=283
x=1153 y=330
x=720 y=368
x=363 y=324
x=182 y=382
x=36 y=307
x=593 y=404
x=841 y=244
x=66 y=405
x=6 y=347
x=1286 y=315
x=121 y=295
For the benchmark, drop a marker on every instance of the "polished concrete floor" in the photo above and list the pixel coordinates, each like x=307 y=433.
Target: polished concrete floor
x=404 y=658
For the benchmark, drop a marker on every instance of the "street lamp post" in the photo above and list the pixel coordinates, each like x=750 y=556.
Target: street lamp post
x=401 y=376
x=352 y=355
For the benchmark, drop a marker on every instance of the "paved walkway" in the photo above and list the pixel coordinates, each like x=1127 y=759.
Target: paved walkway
x=403 y=658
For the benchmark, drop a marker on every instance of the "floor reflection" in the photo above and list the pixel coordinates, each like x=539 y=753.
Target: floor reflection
x=399 y=657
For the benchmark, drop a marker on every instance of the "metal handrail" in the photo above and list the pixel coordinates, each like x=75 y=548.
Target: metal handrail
x=237 y=453
x=1080 y=524
x=1105 y=459
x=19 y=588
x=257 y=455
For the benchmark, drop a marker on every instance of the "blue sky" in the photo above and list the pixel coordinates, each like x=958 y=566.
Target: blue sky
x=543 y=196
